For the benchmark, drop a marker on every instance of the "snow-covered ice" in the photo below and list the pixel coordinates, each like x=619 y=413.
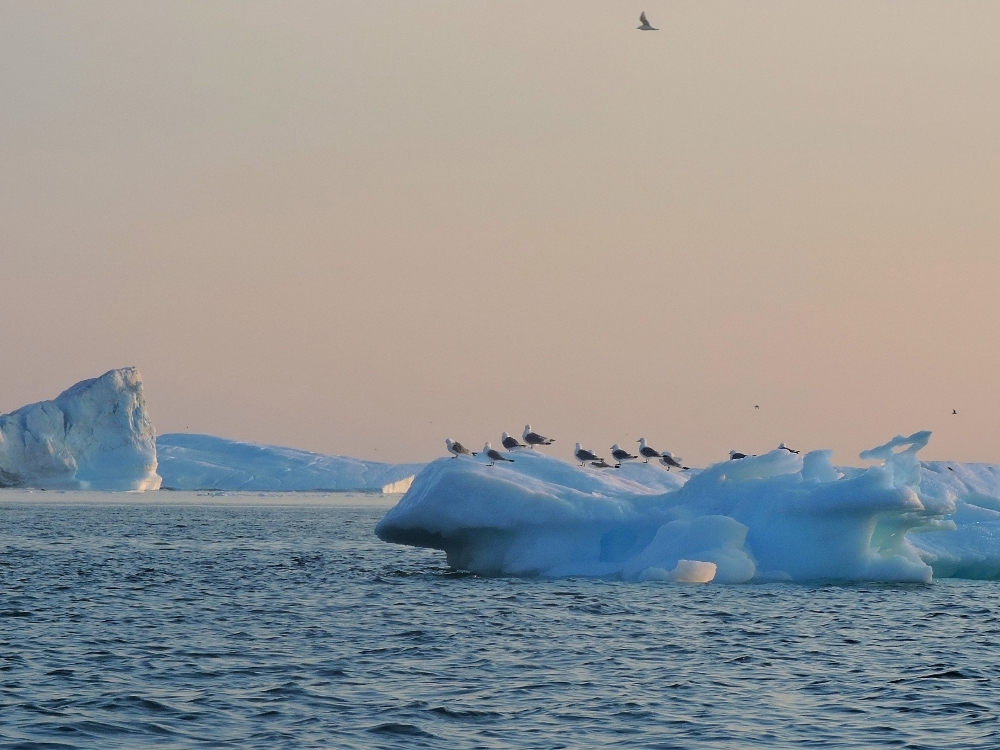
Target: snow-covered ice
x=96 y=435
x=778 y=516
x=969 y=546
x=203 y=462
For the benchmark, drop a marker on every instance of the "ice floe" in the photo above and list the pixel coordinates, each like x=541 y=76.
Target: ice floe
x=778 y=516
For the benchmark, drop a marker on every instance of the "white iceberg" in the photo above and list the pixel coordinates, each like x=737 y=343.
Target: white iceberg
x=203 y=462
x=779 y=516
x=969 y=546
x=96 y=435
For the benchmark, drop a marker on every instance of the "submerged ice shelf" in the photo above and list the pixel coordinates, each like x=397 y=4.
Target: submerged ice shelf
x=779 y=516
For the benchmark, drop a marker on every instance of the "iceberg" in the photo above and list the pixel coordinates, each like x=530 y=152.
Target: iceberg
x=203 y=462
x=96 y=435
x=970 y=544
x=775 y=517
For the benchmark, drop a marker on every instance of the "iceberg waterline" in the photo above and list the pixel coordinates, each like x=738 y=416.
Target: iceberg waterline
x=778 y=516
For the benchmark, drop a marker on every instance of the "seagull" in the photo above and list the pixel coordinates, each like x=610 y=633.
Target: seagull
x=511 y=443
x=756 y=406
x=668 y=460
x=602 y=464
x=457 y=449
x=494 y=455
x=646 y=452
x=645 y=23
x=620 y=455
x=583 y=455
x=784 y=447
x=533 y=438
x=954 y=412
x=733 y=455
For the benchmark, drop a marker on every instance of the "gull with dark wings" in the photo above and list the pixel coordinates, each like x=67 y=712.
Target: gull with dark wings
x=510 y=443
x=583 y=455
x=669 y=460
x=619 y=454
x=494 y=455
x=533 y=438
x=457 y=449
x=645 y=23
x=646 y=452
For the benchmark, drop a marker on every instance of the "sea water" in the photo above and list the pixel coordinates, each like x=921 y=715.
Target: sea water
x=264 y=621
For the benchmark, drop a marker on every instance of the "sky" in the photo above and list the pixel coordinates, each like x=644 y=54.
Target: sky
x=360 y=228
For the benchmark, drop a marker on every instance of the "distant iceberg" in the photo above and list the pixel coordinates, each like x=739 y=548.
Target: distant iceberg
x=203 y=462
x=96 y=435
x=779 y=516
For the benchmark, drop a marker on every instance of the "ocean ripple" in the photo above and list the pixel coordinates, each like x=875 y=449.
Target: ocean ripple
x=128 y=624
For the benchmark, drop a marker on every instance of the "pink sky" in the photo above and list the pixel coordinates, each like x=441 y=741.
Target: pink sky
x=359 y=228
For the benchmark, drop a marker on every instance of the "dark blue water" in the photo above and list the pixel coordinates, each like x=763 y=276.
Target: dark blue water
x=264 y=627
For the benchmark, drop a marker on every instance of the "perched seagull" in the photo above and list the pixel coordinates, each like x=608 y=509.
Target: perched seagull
x=494 y=455
x=533 y=438
x=602 y=464
x=583 y=455
x=668 y=460
x=457 y=449
x=733 y=455
x=645 y=23
x=620 y=455
x=646 y=452
x=511 y=443
x=784 y=447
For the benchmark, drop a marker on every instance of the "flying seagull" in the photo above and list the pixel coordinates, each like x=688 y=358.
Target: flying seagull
x=668 y=460
x=954 y=412
x=646 y=452
x=583 y=455
x=620 y=455
x=645 y=23
x=494 y=455
x=510 y=443
x=457 y=449
x=784 y=447
x=533 y=438
x=733 y=455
